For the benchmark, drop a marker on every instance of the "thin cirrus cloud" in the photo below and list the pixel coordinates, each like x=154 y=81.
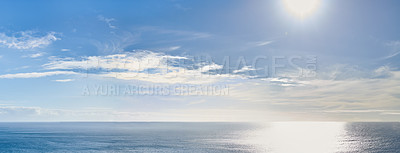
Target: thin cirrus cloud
x=181 y=35
x=244 y=69
x=263 y=43
x=328 y=96
x=35 y=74
x=172 y=48
x=27 y=40
x=65 y=50
x=36 y=55
x=21 y=113
x=143 y=66
x=394 y=47
x=64 y=80
x=137 y=61
x=108 y=21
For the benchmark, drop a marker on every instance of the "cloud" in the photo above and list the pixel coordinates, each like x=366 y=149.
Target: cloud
x=36 y=55
x=21 y=67
x=35 y=74
x=393 y=55
x=357 y=111
x=27 y=40
x=324 y=96
x=138 y=61
x=116 y=43
x=244 y=69
x=143 y=66
x=107 y=20
x=64 y=80
x=285 y=81
x=395 y=49
x=173 y=48
x=65 y=50
x=16 y=111
x=180 y=35
x=140 y=65
x=263 y=43
x=24 y=113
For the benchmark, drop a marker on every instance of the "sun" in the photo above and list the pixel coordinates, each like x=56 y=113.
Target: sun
x=301 y=8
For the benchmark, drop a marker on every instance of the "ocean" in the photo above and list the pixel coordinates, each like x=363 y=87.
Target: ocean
x=285 y=137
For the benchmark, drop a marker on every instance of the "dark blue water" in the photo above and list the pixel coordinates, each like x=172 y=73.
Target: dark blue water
x=199 y=137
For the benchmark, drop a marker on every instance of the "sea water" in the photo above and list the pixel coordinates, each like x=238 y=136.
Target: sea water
x=298 y=137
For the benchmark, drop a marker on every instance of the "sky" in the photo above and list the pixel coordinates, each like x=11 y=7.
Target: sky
x=175 y=60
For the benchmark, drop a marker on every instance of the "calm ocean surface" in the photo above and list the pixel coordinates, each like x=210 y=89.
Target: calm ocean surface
x=284 y=137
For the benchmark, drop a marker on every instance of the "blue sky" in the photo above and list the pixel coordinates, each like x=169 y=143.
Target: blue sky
x=338 y=63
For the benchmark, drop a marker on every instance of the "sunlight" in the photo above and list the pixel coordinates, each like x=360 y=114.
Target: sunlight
x=301 y=8
x=310 y=137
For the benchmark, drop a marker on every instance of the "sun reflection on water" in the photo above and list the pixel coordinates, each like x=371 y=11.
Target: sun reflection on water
x=298 y=137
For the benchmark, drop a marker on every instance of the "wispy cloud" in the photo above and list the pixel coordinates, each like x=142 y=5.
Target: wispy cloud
x=138 y=61
x=20 y=68
x=172 y=48
x=395 y=49
x=64 y=80
x=308 y=96
x=108 y=21
x=140 y=65
x=36 y=55
x=144 y=66
x=29 y=113
x=18 y=111
x=263 y=43
x=244 y=69
x=393 y=55
x=27 y=40
x=35 y=74
x=116 y=43
x=65 y=50
x=180 y=35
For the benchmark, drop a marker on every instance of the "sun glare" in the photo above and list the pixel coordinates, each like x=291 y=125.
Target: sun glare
x=301 y=8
